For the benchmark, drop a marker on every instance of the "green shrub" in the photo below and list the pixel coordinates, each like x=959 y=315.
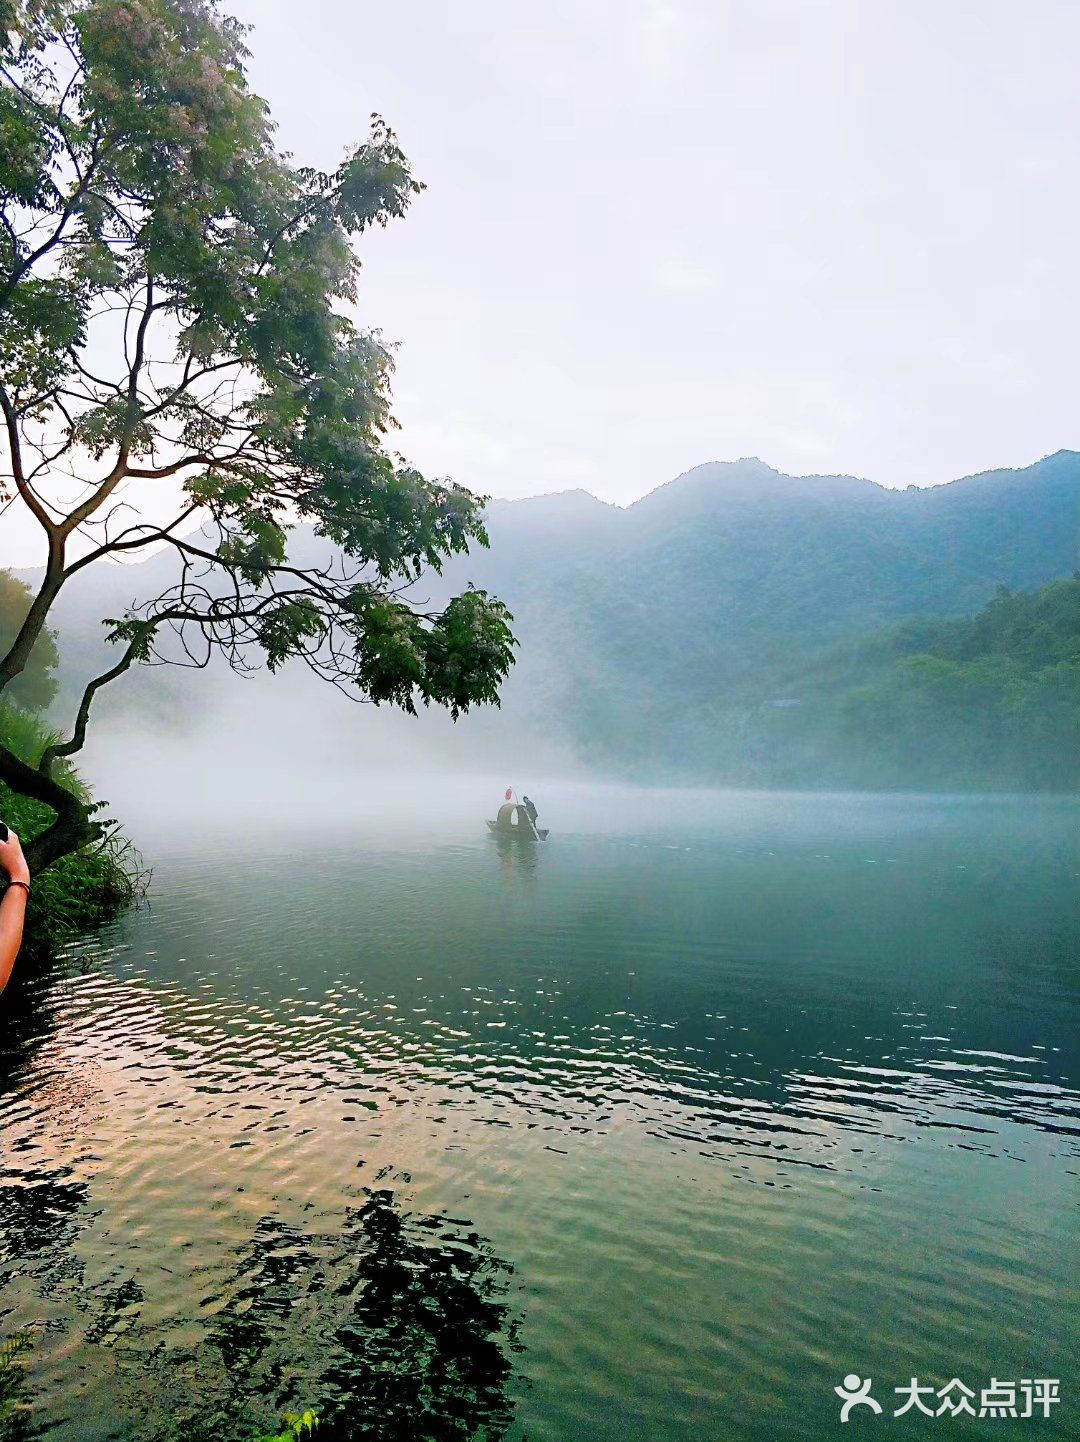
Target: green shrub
x=78 y=892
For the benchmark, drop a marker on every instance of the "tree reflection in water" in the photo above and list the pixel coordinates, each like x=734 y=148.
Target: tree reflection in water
x=401 y=1330
x=424 y=1351
x=396 y=1327
x=17 y=1422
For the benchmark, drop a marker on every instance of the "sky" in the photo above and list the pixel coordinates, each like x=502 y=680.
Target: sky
x=838 y=236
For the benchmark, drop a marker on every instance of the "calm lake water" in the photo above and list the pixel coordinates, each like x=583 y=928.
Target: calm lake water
x=655 y=1131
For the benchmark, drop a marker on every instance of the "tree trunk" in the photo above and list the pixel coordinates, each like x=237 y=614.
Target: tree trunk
x=72 y=826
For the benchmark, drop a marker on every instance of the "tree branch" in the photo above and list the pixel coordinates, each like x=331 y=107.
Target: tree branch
x=26 y=491
x=21 y=266
x=83 y=512
x=72 y=826
x=78 y=735
x=155 y=533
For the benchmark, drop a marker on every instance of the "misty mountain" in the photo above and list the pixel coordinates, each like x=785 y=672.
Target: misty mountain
x=654 y=637
x=729 y=554
x=656 y=633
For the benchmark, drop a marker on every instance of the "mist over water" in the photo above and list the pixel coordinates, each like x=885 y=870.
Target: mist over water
x=707 y=1101
x=295 y=753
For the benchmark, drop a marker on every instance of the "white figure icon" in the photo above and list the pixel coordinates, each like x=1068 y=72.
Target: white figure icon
x=855 y=1393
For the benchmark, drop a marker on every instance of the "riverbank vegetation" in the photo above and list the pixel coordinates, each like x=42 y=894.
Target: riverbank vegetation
x=79 y=891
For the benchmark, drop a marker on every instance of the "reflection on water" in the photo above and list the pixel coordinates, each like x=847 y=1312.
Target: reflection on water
x=16 y=1417
x=517 y=857
x=399 y=1325
x=395 y=1323
x=751 y=1096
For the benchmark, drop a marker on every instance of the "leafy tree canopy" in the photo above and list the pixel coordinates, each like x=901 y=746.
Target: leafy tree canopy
x=175 y=299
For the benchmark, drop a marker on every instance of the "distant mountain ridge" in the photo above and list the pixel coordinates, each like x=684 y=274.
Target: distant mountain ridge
x=646 y=631
x=645 y=628
x=940 y=548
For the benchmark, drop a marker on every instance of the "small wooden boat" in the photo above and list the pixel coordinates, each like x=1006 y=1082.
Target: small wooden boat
x=513 y=820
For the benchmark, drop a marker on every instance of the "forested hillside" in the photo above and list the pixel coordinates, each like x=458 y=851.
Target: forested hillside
x=987 y=701
x=663 y=638
x=670 y=640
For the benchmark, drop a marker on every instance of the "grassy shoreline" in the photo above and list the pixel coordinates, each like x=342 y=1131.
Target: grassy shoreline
x=78 y=892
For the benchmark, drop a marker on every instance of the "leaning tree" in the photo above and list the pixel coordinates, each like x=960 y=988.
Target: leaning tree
x=179 y=369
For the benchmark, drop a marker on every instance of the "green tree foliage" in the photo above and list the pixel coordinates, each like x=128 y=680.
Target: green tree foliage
x=991 y=700
x=34 y=688
x=174 y=320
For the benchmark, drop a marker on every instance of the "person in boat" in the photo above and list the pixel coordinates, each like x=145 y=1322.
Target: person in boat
x=13 y=904
x=531 y=809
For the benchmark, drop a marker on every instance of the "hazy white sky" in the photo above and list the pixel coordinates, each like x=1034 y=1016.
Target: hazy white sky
x=838 y=235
